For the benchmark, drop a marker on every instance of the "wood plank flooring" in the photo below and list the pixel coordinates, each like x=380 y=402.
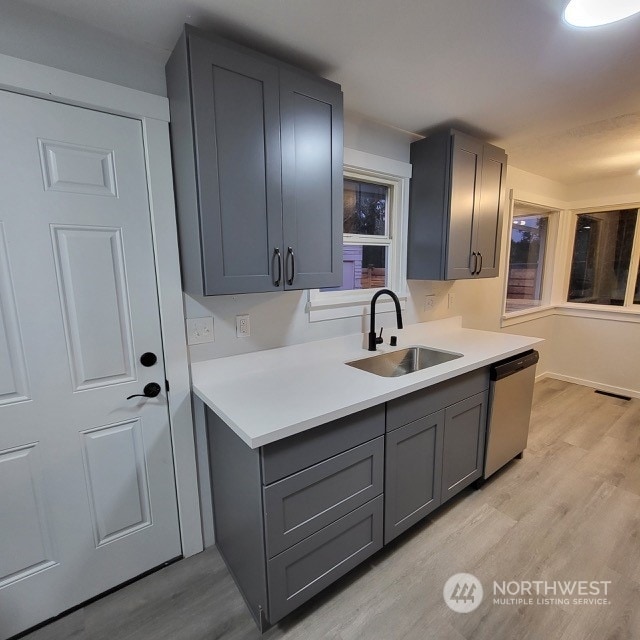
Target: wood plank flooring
x=570 y=510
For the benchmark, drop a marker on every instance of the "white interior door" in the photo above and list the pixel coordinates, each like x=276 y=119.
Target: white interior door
x=87 y=489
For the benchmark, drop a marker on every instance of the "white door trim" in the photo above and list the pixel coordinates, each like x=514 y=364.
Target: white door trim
x=39 y=80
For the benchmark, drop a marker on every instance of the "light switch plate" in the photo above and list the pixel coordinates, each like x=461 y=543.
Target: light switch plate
x=200 y=330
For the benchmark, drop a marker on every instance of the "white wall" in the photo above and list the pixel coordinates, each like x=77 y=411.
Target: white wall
x=45 y=37
x=594 y=351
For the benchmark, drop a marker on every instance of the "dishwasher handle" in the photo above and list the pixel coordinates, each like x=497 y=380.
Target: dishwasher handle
x=513 y=365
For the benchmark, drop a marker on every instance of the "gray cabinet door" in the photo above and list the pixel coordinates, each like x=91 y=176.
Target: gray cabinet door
x=488 y=229
x=312 y=150
x=235 y=103
x=413 y=470
x=455 y=207
x=305 y=569
x=466 y=162
x=465 y=426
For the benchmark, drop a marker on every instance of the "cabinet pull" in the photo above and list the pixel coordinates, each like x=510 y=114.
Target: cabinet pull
x=480 y=269
x=293 y=265
x=475 y=263
x=278 y=255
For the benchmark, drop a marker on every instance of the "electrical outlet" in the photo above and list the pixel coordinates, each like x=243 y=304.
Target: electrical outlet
x=200 y=330
x=452 y=300
x=429 y=301
x=243 y=326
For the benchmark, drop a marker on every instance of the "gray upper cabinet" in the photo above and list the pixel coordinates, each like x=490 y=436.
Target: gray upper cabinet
x=312 y=150
x=456 y=207
x=257 y=153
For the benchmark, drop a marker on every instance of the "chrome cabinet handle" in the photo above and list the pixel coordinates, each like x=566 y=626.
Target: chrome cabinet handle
x=475 y=263
x=480 y=269
x=293 y=265
x=150 y=390
x=278 y=255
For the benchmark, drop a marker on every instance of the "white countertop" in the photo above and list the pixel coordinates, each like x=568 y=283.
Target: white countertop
x=269 y=395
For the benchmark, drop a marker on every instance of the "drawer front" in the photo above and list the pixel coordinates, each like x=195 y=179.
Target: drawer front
x=307 y=568
x=411 y=407
x=290 y=455
x=309 y=500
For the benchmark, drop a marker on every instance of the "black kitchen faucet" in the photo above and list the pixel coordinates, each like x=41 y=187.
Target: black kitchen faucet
x=374 y=339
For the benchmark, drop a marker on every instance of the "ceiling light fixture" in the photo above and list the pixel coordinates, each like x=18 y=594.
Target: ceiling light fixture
x=593 y=13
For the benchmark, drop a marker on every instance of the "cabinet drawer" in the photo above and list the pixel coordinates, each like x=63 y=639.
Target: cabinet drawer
x=307 y=501
x=281 y=459
x=305 y=569
x=421 y=403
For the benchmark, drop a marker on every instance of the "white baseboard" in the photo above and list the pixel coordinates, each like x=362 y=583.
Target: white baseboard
x=542 y=376
x=621 y=391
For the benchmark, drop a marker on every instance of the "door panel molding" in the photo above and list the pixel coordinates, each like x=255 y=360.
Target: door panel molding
x=118 y=507
x=14 y=382
x=96 y=359
x=25 y=523
x=77 y=168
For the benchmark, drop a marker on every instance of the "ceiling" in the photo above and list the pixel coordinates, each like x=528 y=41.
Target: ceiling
x=565 y=102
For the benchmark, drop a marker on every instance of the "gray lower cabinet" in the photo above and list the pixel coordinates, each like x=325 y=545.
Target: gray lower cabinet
x=307 y=501
x=430 y=458
x=295 y=515
x=256 y=210
x=413 y=471
x=465 y=426
x=308 y=567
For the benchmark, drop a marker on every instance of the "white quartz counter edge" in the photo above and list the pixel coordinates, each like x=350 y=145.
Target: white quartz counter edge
x=265 y=396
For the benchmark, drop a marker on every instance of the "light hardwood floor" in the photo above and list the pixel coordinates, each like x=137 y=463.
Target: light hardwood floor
x=570 y=510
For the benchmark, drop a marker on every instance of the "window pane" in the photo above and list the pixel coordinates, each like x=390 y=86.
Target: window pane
x=526 y=262
x=636 y=295
x=601 y=257
x=365 y=208
x=363 y=267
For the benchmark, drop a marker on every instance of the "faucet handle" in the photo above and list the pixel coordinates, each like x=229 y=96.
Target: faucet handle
x=379 y=338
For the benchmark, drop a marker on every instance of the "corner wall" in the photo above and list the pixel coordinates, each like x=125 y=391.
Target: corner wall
x=45 y=37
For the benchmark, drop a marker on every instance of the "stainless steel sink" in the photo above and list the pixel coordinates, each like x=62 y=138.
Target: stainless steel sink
x=403 y=361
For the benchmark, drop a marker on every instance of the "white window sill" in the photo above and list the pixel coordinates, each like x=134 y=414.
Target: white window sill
x=526 y=315
x=349 y=307
x=598 y=312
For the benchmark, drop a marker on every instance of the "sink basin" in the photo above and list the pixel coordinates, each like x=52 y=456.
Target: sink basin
x=403 y=361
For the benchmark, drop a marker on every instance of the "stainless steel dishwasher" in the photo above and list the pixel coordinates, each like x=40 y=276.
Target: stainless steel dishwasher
x=510 y=398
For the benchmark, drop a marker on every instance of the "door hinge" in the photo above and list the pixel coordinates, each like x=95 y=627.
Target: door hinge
x=166 y=385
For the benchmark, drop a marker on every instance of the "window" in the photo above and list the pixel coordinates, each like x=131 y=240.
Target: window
x=375 y=214
x=367 y=239
x=604 y=261
x=526 y=286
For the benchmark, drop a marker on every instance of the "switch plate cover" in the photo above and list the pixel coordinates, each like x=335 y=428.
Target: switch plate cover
x=200 y=330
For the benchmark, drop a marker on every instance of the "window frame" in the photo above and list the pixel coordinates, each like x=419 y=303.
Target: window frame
x=634 y=264
x=359 y=165
x=553 y=214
